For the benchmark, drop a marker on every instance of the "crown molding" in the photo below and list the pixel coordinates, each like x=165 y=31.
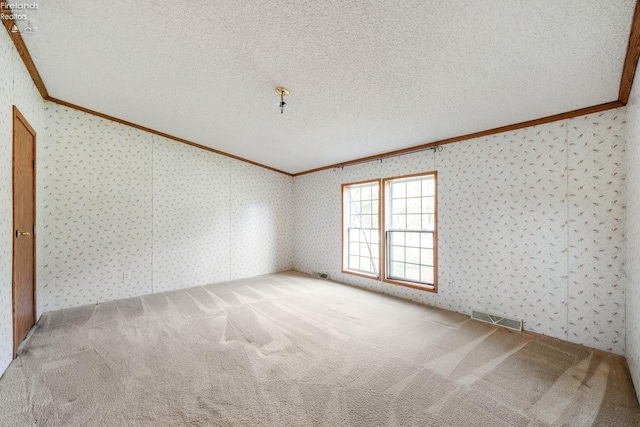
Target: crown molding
x=521 y=125
x=631 y=59
x=18 y=42
x=626 y=82
x=162 y=134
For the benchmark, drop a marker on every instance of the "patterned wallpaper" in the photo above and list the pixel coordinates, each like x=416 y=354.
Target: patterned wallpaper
x=95 y=195
x=224 y=219
x=633 y=236
x=191 y=191
x=531 y=226
x=16 y=87
x=128 y=213
x=261 y=216
x=597 y=204
x=6 y=220
x=501 y=242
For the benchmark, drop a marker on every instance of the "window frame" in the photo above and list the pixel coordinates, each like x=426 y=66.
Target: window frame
x=345 y=232
x=385 y=228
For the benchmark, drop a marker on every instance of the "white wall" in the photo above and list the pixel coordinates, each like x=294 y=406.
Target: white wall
x=261 y=215
x=633 y=235
x=95 y=198
x=531 y=226
x=16 y=88
x=128 y=213
x=191 y=221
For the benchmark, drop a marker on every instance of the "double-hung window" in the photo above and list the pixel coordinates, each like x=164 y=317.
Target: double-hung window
x=361 y=228
x=390 y=230
x=410 y=230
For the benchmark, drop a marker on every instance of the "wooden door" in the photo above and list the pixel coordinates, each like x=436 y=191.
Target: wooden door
x=24 y=217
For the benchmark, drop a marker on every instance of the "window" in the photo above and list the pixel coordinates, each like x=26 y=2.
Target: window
x=361 y=228
x=406 y=230
x=410 y=230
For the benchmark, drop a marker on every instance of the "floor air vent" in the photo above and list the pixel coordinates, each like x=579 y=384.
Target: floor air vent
x=497 y=319
x=324 y=276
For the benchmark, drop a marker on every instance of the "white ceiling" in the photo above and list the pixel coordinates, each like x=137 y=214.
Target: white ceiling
x=366 y=77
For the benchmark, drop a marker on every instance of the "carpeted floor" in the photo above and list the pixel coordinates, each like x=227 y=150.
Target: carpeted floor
x=289 y=350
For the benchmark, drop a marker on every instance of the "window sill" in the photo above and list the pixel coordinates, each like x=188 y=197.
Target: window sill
x=361 y=274
x=429 y=288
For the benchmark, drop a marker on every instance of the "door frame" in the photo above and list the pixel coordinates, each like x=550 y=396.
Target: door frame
x=18 y=117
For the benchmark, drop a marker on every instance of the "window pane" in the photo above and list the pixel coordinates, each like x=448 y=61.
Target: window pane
x=411 y=207
x=414 y=222
x=428 y=204
x=374 y=251
x=355 y=193
x=366 y=193
x=361 y=250
x=397 y=269
x=399 y=221
x=426 y=257
x=399 y=206
x=412 y=272
x=426 y=240
x=364 y=249
x=398 y=190
x=355 y=208
x=428 y=186
x=413 y=239
x=354 y=262
x=426 y=274
x=413 y=255
x=413 y=189
x=397 y=253
x=427 y=222
x=414 y=205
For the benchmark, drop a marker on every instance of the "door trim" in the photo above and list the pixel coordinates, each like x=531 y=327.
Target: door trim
x=18 y=117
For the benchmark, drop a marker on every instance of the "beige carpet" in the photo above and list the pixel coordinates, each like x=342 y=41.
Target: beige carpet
x=289 y=350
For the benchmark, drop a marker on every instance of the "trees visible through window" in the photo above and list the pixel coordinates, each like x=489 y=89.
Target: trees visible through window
x=406 y=230
x=410 y=229
x=361 y=227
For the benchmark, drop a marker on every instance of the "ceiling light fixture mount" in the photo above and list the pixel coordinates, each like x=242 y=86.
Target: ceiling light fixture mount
x=282 y=91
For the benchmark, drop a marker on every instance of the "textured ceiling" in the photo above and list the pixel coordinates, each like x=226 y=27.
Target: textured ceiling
x=366 y=77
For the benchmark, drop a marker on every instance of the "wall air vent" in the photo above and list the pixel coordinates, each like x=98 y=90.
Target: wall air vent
x=497 y=319
x=319 y=275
